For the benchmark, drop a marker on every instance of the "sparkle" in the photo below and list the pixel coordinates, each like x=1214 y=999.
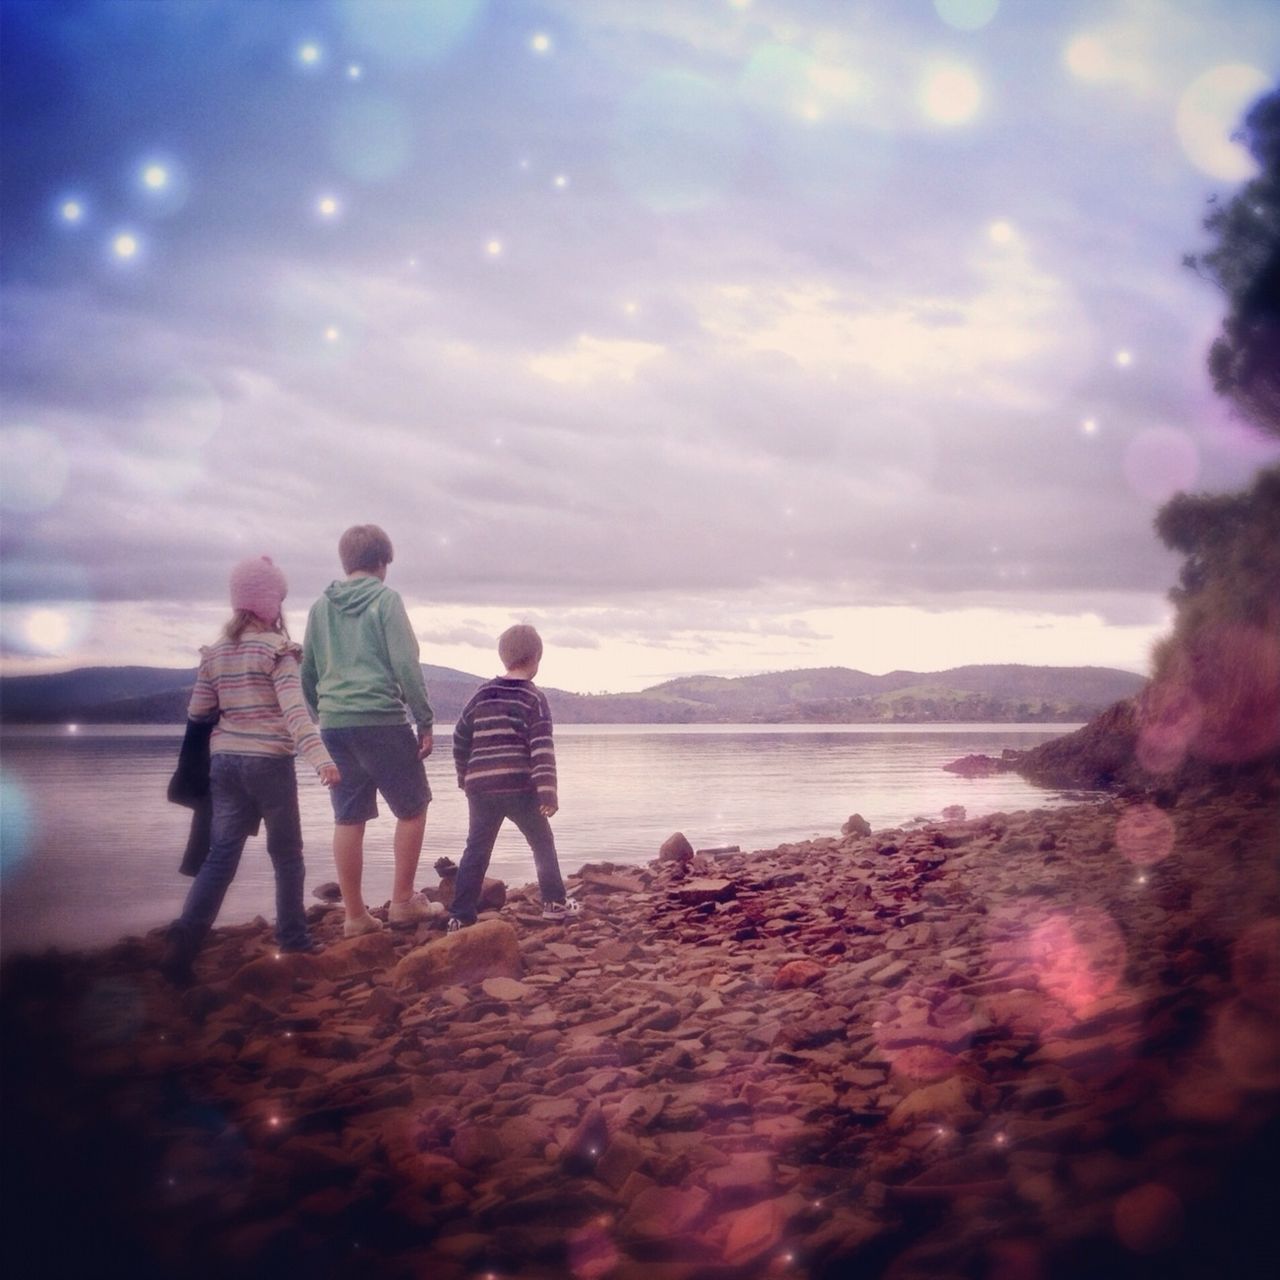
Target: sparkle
x=412 y=264
x=1124 y=359
x=950 y=94
x=155 y=177
x=275 y=1122
x=1142 y=877
x=327 y=206
x=48 y=629
x=75 y=728
x=631 y=308
x=125 y=246
x=561 y=181
x=355 y=71
x=309 y=54
x=1089 y=426
x=71 y=211
x=332 y=334
x=1000 y=232
x=494 y=248
x=1002 y=1139
x=540 y=42
x=524 y=163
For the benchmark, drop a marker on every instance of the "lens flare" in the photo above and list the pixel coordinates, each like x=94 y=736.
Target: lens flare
x=1145 y=835
x=405 y=34
x=1148 y=1219
x=17 y=825
x=1209 y=112
x=950 y=94
x=371 y=139
x=966 y=15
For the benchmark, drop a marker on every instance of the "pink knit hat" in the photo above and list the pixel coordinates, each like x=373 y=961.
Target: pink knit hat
x=258 y=586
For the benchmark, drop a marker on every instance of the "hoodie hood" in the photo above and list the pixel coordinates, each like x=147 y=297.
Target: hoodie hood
x=354 y=595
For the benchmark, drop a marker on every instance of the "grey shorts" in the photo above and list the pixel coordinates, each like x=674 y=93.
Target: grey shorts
x=373 y=758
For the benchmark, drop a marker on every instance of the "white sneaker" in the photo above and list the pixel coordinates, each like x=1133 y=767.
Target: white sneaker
x=561 y=910
x=354 y=926
x=413 y=910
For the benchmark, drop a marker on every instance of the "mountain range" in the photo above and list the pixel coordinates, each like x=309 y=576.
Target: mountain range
x=820 y=695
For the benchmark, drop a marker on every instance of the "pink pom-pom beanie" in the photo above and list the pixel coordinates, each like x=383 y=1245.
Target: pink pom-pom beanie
x=258 y=586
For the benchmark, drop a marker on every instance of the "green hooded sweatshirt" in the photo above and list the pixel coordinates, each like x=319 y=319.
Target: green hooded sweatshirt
x=360 y=658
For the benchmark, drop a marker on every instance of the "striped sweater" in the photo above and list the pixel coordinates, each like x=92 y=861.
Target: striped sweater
x=502 y=742
x=252 y=685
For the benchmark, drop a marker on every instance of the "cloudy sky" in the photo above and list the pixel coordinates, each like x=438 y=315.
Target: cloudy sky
x=708 y=335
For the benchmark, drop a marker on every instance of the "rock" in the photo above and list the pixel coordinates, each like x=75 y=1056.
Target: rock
x=855 y=825
x=659 y=1213
x=348 y=956
x=676 y=848
x=327 y=892
x=954 y=813
x=610 y=881
x=621 y=1158
x=798 y=973
x=587 y=1143
x=493 y=895
x=748 y=1176
x=952 y=1101
x=505 y=989
x=754 y=1231
x=485 y=950
x=706 y=890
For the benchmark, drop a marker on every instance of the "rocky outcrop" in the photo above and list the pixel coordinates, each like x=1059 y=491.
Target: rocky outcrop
x=1038 y=1044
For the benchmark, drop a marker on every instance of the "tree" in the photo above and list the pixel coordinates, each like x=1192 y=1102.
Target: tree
x=1244 y=360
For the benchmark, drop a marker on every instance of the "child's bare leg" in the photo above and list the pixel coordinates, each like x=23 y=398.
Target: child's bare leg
x=348 y=858
x=408 y=849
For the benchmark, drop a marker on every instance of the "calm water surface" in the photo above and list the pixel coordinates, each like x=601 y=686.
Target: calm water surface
x=91 y=847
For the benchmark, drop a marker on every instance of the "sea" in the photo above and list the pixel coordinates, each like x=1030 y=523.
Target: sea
x=89 y=846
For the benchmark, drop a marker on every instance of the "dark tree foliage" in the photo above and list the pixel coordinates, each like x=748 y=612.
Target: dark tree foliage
x=1244 y=361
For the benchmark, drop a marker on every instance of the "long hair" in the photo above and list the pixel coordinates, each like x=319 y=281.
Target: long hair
x=243 y=620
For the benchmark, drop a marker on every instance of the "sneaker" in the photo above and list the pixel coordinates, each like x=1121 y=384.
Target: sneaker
x=455 y=925
x=175 y=966
x=354 y=926
x=413 y=910
x=561 y=910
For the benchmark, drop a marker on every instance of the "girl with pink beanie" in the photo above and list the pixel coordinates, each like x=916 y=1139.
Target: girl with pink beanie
x=248 y=683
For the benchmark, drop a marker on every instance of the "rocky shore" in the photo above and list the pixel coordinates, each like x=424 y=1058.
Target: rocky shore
x=1021 y=1047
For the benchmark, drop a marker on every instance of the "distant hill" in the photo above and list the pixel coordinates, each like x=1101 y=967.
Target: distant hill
x=822 y=695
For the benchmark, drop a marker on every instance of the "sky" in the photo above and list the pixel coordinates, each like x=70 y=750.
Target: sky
x=710 y=336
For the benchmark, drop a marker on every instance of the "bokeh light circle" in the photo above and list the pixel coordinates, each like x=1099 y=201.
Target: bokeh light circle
x=1088 y=58
x=1210 y=111
x=966 y=15
x=1160 y=461
x=1148 y=1219
x=407 y=33
x=678 y=142
x=950 y=94
x=371 y=139
x=161 y=185
x=1145 y=835
x=33 y=469
x=1255 y=965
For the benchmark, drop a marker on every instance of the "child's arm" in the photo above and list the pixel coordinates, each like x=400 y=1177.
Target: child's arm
x=204 y=696
x=462 y=733
x=542 y=757
x=403 y=654
x=288 y=687
x=310 y=675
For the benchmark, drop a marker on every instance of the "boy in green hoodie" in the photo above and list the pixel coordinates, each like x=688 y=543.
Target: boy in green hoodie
x=360 y=675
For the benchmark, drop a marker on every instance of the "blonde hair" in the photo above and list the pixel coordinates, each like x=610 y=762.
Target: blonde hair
x=364 y=547
x=243 y=620
x=519 y=646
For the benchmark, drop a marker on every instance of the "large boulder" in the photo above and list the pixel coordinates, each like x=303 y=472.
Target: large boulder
x=855 y=825
x=676 y=848
x=486 y=950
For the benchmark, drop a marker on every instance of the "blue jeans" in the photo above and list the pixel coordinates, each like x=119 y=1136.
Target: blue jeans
x=487 y=815
x=243 y=789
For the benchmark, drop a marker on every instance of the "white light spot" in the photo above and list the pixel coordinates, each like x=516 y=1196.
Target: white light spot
x=1001 y=232
x=1142 y=877
x=1088 y=58
x=1209 y=113
x=48 y=629
x=631 y=308
x=155 y=177
x=328 y=206
x=71 y=211
x=309 y=54
x=125 y=246
x=561 y=181
x=412 y=264
x=540 y=42
x=1001 y=1139
x=523 y=163
x=950 y=94
x=355 y=71
x=75 y=728
x=332 y=333
x=1089 y=426
x=1124 y=358
x=494 y=248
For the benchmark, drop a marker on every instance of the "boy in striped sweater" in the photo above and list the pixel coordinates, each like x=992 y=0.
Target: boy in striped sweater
x=506 y=764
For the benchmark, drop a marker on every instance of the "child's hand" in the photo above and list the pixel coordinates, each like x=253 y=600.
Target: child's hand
x=425 y=742
x=329 y=775
x=547 y=810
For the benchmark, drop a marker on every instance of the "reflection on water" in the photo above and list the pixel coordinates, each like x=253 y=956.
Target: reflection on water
x=104 y=845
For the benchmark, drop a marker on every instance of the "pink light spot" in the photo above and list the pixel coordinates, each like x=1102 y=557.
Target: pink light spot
x=1148 y=1219
x=1170 y=716
x=1079 y=958
x=1145 y=835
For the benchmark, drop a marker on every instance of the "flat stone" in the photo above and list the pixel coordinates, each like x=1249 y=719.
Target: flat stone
x=489 y=949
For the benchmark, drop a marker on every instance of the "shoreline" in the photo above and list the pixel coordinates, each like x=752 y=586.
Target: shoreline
x=1047 y=1036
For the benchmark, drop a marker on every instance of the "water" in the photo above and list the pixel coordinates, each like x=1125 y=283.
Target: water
x=91 y=847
